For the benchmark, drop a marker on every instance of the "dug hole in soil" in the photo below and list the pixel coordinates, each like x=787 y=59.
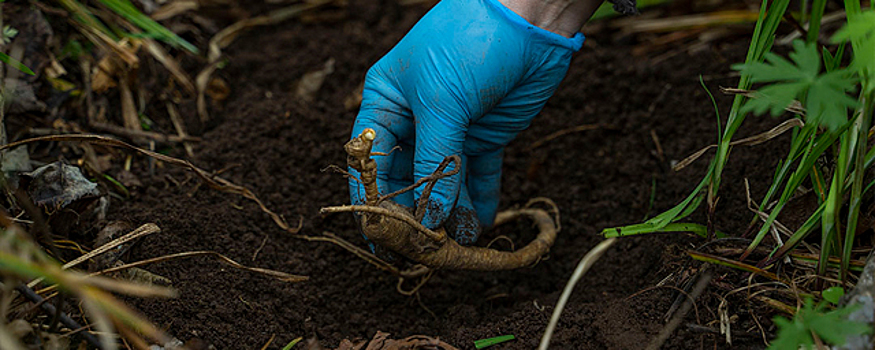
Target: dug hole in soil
x=278 y=145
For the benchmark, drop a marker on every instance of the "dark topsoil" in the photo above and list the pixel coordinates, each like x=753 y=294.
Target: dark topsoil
x=599 y=178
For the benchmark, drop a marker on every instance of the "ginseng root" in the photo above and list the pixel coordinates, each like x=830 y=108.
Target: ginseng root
x=393 y=226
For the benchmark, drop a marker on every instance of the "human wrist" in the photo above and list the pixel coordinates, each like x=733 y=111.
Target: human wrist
x=563 y=17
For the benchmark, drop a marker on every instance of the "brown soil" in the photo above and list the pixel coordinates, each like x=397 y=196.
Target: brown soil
x=600 y=178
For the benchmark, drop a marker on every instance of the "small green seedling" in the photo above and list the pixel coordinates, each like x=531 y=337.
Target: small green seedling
x=833 y=294
x=832 y=327
x=292 y=344
x=483 y=343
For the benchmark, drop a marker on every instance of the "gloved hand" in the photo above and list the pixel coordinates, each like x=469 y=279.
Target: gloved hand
x=464 y=81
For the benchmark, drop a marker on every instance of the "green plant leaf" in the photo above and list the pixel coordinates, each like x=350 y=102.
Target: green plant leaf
x=832 y=294
x=482 y=343
x=825 y=95
x=15 y=64
x=792 y=334
x=774 y=98
x=860 y=32
x=833 y=327
x=827 y=102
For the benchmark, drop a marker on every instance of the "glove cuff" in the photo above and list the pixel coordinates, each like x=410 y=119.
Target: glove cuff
x=574 y=43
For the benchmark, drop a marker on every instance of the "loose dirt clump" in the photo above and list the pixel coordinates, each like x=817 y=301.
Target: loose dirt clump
x=277 y=145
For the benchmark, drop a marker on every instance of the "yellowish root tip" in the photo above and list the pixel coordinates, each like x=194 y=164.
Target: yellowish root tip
x=369 y=134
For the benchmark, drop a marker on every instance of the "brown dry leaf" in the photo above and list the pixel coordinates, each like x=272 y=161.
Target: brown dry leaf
x=54 y=69
x=381 y=341
x=311 y=82
x=354 y=100
x=20 y=96
x=218 y=89
x=129 y=108
x=104 y=74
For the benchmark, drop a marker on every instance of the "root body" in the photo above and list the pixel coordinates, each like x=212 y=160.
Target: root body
x=435 y=249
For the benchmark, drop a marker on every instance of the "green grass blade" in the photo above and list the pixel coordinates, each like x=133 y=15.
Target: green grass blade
x=813 y=151
x=830 y=220
x=482 y=343
x=761 y=42
x=799 y=144
x=817 y=8
x=856 y=197
x=662 y=220
x=770 y=16
x=631 y=230
x=127 y=10
x=292 y=344
x=800 y=234
x=15 y=64
x=81 y=14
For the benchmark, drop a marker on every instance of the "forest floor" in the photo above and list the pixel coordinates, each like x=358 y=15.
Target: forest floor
x=650 y=114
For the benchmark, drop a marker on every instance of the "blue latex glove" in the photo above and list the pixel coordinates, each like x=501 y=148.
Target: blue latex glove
x=464 y=81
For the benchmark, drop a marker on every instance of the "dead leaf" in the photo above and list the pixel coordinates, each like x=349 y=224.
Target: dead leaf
x=218 y=89
x=103 y=76
x=20 y=97
x=354 y=100
x=129 y=109
x=54 y=69
x=34 y=37
x=57 y=184
x=311 y=82
x=381 y=341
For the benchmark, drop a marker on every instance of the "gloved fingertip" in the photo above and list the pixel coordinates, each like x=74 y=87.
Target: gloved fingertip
x=463 y=226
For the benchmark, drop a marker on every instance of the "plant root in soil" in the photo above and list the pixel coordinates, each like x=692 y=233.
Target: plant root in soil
x=394 y=227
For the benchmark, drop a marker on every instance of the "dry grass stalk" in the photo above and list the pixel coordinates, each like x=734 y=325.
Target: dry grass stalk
x=748 y=141
x=140 y=134
x=180 y=128
x=282 y=276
